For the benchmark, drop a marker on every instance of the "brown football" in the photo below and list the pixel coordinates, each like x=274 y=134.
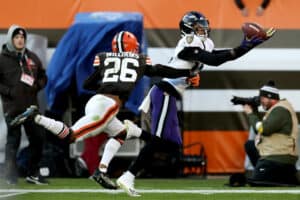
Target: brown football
x=252 y=29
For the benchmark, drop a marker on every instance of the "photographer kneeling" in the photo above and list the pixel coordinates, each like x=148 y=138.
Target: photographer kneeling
x=276 y=140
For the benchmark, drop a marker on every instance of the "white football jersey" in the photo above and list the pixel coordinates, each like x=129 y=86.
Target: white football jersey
x=187 y=41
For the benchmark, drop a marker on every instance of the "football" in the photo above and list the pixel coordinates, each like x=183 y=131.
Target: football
x=252 y=29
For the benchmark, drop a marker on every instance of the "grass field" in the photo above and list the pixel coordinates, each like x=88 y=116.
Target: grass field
x=150 y=189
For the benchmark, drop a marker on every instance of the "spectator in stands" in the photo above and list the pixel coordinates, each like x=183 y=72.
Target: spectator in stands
x=193 y=50
x=276 y=140
x=21 y=78
x=259 y=11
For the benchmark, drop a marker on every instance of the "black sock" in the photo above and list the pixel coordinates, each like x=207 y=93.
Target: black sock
x=142 y=160
x=146 y=136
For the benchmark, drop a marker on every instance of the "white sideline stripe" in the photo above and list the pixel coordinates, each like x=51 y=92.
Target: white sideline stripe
x=207 y=191
x=13 y=194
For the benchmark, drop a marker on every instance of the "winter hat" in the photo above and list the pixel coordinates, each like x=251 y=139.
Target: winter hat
x=269 y=90
x=20 y=31
x=13 y=31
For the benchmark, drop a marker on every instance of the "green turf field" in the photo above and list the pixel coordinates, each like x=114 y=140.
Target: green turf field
x=151 y=189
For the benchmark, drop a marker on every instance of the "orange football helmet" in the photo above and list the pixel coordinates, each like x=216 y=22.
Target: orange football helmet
x=125 y=41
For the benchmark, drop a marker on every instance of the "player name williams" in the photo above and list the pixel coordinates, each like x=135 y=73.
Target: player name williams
x=123 y=54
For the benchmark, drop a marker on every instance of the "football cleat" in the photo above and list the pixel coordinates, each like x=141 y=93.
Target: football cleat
x=126 y=182
x=38 y=180
x=81 y=168
x=103 y=180
x=29 y=113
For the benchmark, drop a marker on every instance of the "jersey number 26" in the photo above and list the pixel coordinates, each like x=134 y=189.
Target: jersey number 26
x=120 y=71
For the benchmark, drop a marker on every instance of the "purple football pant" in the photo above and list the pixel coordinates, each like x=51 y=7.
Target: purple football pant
x=164 y=119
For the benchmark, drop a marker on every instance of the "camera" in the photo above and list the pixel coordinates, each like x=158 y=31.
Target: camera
x=252 y=101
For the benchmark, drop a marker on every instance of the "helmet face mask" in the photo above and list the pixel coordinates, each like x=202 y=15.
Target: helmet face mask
x=125 y=41
x=194 y=23
x=201 y=29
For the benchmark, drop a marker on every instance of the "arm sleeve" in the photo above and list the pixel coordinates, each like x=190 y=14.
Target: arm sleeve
x=41 y=77
x=166 y=71
x=91 y=83
x=215 y=58
x=4 y=89
x=265 y=4
x=276 y=121
x=240 y=4
x=253 y=119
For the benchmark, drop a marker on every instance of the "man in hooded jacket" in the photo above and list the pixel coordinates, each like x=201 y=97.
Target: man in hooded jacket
x=21 y=78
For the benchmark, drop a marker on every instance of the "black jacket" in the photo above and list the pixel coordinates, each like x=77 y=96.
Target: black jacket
x=16 y=95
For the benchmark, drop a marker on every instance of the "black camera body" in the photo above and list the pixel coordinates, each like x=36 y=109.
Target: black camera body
x=252 y=101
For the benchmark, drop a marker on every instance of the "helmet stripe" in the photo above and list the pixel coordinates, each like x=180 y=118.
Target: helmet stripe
x=120 y=46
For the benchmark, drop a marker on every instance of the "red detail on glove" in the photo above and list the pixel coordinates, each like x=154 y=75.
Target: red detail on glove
x=194 y=81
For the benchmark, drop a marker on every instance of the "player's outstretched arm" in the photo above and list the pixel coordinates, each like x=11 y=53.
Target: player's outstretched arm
x=218 y=57
x=255 y=35
x=249 y=42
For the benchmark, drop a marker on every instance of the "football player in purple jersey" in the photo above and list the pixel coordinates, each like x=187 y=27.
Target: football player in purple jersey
x=193 y=50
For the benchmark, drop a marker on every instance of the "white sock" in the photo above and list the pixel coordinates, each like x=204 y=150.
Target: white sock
x=127 y=178
x=56 y=127
x=111 y=148
x=129 y=175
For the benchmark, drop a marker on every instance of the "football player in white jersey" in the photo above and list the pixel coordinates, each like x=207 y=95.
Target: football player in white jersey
x=115 y=75
x=194 y=49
